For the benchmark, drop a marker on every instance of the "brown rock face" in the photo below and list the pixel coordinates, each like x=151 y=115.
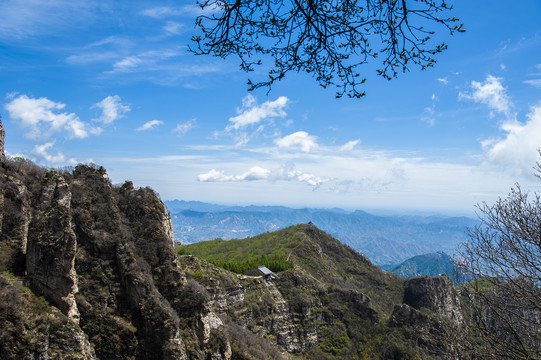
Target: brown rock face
x=51 y=246
x=15 y=214
x=109 y=254
x=2 y=139
x=104 y=258
x=436 y=294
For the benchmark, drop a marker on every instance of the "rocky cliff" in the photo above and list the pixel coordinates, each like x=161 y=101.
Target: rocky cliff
x=2 y=139
x=103 y=261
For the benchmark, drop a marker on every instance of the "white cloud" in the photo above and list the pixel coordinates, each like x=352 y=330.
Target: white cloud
x=214 y=176
x=41 y=154
x=349 y=145
x=429 y=114
x=183 y=128
x=443 y=80
x=298 y=140
x=104 y=51
x=149 y=125
x=252 y=113
x=112 y=109
x=162 y=12
x=491 y=93
x=517 y=150
x=42 y=118
x=287 y=172
x=534 y=82
x=255 y=173
x=173 y=28
x=142 y=62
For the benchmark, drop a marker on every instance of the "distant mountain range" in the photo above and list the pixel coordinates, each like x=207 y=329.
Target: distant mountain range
x=385 y=240
x=428 y=264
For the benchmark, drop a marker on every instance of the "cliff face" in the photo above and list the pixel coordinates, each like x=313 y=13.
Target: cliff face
x=2 y=139
x=432 y=311
x=104 y=259
x=434 y=294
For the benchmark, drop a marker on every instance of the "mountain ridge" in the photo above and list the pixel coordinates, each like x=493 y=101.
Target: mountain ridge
x=385 y=240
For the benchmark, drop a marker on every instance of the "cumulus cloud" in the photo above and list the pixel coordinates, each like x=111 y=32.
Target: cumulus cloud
x=43 y=118
x=491 y=93
x=112 y=109
x=149 y=125
x=517 y=149
x=41 y=154
x=183 y=128
x=287 y=172
x=255 y=173
x=252 y=113
x=298 y=140
x=349 y=145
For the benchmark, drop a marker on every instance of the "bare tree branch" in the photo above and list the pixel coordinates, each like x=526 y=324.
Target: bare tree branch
x=328 y=39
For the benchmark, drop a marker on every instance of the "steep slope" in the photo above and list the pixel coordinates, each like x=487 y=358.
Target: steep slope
x=332 y=303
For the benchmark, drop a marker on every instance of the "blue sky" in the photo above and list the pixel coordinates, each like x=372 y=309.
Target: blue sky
x=112 y=82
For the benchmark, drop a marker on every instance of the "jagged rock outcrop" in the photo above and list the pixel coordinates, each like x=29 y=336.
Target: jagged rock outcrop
x=52 y=245
x=435 y=294
x=2 y=139
x=15 y=206
x=432 y=311
x=104 y=257
x=111 y=254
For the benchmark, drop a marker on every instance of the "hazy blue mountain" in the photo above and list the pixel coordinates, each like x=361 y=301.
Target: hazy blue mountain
x=427 y=264
x=384 y=239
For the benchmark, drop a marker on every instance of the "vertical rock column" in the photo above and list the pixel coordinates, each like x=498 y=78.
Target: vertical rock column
x=52 y=245
x=2 y=139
